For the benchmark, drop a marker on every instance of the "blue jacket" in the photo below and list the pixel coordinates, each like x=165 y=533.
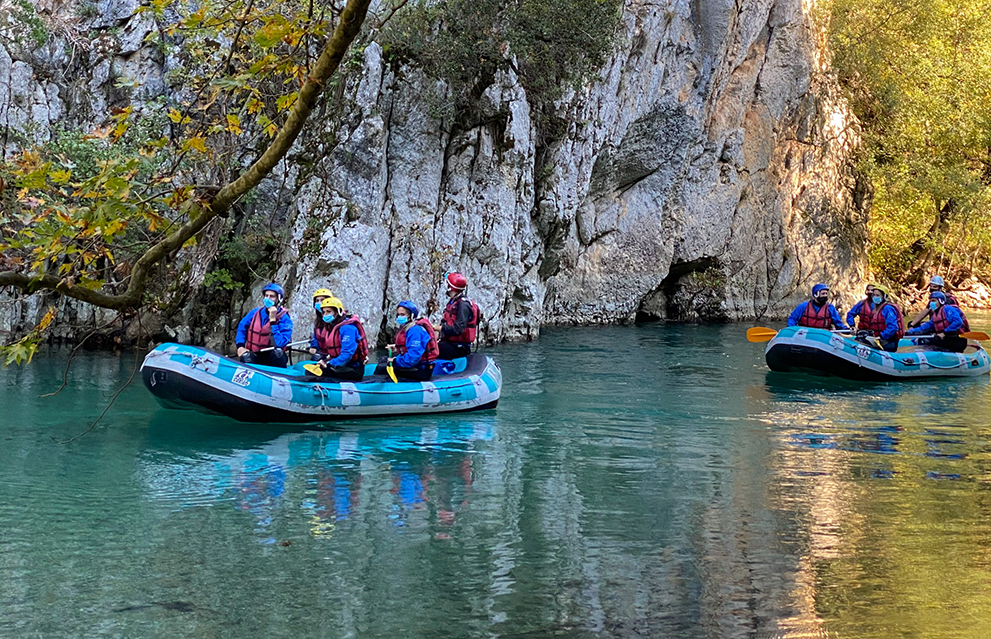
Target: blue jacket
x=855 y=311
x=349 y=344
x=953 y=316
x=417 y=339
x=800 y=310
x=281 y=330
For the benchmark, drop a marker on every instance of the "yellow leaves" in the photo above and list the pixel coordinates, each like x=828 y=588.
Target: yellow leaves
x=267 y=125
x=285 y=102
x=196 y=143
x=59 y=176
x=47 y=319
x=234 y=124
x=177 y=117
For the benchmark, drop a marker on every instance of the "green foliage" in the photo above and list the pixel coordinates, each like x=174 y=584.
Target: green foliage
x=222 y=279
x=23 y=25
x=555 y=43
x=918 y=75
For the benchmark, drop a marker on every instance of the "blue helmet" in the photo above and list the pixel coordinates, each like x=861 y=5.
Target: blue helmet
x=275 y=288
x=937 y=295
x=409 y=306
x=819 y=287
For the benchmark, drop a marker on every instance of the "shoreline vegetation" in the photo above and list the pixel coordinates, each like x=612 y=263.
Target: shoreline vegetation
x=917 y=74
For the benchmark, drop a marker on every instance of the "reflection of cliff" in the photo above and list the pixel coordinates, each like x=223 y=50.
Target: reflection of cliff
x=706 y=173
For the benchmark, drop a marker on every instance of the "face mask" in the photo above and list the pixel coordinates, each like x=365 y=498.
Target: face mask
x=316 y=305
x=819 y=301
x=933 y=305
x=401 y=319
x=328 y=318
x=878 y=299
x=269 y=302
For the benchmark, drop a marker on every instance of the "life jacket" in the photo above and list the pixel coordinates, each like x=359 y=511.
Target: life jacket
x=951 y=300
x=259 y=334
x=940 y=321
x=468 y=335
x=322 y=334
x=334 y=340
x=432 y=351
x=874 y=320
x=816 y=319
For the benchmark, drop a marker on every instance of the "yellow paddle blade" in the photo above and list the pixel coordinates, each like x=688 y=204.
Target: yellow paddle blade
x=978 y=335
x=313 y=369
x=392 y=373
x=760 y=334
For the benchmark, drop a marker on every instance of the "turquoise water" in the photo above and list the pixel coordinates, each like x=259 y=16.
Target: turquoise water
x=667 y=486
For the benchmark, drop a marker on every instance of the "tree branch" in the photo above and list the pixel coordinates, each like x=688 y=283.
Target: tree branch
x=344 y=34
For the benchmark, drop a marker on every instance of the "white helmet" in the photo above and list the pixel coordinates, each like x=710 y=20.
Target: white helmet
x=937 y=281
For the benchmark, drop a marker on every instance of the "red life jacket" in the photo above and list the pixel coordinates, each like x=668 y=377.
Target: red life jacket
x=334 y=340
x=816 y=319
x=432 y=351
x=468 y=335
x=259 y=334
x=322 y=334
x=940 y=322
x=874 y=320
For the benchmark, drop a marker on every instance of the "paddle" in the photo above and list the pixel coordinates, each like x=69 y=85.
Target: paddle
x=980 y=336
x=761 y=334
x=313 y=369
x=392 y=373
x=289 y=345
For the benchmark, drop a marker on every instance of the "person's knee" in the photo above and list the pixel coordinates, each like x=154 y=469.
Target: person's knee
x=248 y=357
x=278 y=358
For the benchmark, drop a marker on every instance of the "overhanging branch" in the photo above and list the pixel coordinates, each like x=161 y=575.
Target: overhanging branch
x=344 y=34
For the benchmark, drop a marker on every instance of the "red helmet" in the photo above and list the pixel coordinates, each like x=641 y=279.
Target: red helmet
x=456 y=281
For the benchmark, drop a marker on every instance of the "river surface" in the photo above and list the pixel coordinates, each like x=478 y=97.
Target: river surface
x=659 y=484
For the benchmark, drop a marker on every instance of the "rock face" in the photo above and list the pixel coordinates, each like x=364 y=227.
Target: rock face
x=705 y=175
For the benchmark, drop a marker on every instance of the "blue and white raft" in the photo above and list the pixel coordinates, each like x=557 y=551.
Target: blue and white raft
x=822 y=351
x=189 y=377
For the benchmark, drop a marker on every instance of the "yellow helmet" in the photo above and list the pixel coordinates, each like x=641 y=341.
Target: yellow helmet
x=322 y=292
x=882 y=289
x=332 y=302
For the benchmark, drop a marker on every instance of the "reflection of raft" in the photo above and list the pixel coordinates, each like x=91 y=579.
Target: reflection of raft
x=818 y=350
x=190 y=377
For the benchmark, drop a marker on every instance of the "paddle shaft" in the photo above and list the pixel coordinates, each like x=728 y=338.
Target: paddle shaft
x=289 y=345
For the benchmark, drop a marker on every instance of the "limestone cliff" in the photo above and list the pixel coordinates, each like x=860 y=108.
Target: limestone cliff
x=706 y=174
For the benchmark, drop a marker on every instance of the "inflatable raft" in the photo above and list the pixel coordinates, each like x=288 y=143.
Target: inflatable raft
x=822 y=351
x=190 y=377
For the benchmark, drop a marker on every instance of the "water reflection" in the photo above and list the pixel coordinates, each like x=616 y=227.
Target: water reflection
x=427 y=471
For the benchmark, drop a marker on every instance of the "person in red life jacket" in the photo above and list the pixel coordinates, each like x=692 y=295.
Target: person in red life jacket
x=936 y=285
x=883 y=320
x=947 y=322
x=416 y=345
x=264 y=328
x=862 y=307
x=319 y=296
x=817 y=312
x=459 y=326
x=341 y=342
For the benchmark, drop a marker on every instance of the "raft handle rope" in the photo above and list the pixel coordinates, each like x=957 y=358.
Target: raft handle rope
x=469 y=381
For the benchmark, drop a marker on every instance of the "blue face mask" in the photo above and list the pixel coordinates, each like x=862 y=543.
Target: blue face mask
x=401 y=319
x=328 y=318
x=316 y=305
x=933 y=305
x=878 y=299
x=269 y=302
